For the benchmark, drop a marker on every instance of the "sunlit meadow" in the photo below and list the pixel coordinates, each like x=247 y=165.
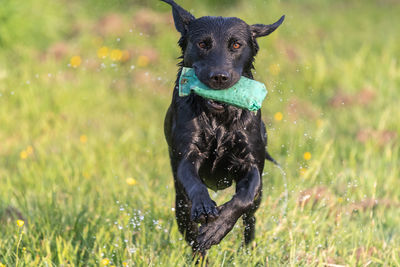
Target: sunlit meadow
x=84 y=170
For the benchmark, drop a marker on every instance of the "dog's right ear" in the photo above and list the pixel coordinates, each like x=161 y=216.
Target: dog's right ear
x=260 y=30
x=182 y=18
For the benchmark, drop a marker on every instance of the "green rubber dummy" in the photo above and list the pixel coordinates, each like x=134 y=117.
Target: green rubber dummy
x=246 y=93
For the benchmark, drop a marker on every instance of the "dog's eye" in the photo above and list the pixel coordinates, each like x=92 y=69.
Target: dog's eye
x=202 y=45
x=236 y=45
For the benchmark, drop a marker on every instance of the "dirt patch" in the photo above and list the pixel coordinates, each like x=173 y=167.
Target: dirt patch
x=150 y=54
x=111 y=24
x=369 y=204
x=297 y=108
x=145 y=21
x=382 y=137
x=58 y=51
x=289 y=50
x=11 y=215
x=362 y=98
x=316 y=195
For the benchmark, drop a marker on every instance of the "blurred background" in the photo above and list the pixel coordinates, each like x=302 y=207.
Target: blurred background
x=84 y=86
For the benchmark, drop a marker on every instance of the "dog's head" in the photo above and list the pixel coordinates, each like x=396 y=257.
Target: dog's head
x=219 y=49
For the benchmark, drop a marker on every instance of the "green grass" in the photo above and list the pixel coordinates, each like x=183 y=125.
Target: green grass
x=70 y=137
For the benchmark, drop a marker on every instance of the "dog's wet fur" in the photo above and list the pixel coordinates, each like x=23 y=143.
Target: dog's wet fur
x=211 y=144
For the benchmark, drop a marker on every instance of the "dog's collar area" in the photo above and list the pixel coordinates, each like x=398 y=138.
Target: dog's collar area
x=246 y=93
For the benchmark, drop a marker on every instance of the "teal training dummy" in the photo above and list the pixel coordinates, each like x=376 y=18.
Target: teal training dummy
x=246 y=93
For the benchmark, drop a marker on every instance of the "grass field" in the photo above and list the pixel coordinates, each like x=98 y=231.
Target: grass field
x=84 y=170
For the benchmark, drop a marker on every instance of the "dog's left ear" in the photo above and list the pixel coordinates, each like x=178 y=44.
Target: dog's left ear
x=259 y=30
x=182 y=18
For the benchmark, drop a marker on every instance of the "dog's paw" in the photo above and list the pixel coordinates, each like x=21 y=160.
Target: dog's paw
x=204 y=210
x=212 y=233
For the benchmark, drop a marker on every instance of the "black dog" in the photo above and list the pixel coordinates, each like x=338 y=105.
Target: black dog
x=212 y=144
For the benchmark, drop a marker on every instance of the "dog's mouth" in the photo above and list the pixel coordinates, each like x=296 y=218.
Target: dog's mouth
x=215 y=105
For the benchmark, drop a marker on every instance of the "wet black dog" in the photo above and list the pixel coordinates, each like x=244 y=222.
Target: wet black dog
x=213 y=144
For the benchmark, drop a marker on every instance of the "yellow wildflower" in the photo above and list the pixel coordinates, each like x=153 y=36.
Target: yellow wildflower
x=83 y=139
x=274 y=69
x=2 y=265
x=131 y=181
x=116 y=55
x=29 y=150
x=86 y=174
x=124 y=264
x=105 y=261
x=278 y=116
x=320 y=123
x=23 y=154
x=303 y=171
x=102 y=52
x=143 y=61
x=20 y=223
x=307 y=155
x=340 y=200
x=75 y=61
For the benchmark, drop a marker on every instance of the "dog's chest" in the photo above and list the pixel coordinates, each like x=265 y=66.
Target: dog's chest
x=226 y=157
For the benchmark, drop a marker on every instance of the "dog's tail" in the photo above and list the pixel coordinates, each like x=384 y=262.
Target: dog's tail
x=270 y=158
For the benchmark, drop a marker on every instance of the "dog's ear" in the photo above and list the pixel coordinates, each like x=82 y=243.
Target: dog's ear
x=259 y=30
x=182 y=18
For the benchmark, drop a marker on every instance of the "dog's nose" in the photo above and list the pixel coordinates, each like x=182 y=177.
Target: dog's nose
x=219 y=78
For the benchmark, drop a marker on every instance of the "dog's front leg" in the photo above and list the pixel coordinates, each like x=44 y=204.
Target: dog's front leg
x=203 y=207
x=248 y=190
